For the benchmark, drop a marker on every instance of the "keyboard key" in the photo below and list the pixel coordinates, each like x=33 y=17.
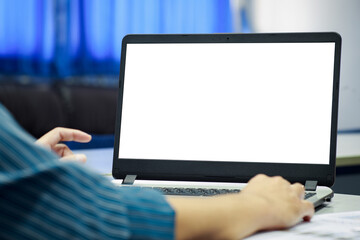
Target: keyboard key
x=309 y=194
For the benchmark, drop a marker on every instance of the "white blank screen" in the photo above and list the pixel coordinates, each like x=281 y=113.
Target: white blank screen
x=242 y=102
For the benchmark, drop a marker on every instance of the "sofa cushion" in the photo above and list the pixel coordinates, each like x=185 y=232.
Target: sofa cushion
x=35 y=107
x=90 y=109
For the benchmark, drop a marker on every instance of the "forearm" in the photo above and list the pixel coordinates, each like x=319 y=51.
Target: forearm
x=223 y=217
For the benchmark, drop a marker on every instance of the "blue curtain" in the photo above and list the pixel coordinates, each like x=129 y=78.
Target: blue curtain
x=60 y=38
x=27 y=37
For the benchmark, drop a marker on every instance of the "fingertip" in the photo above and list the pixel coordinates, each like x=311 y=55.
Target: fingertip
x=81 y=158
x=259 y=177
x=86 y=137
x=85 y=134
x=299 y=185
x=299 y=189
x=307 y=218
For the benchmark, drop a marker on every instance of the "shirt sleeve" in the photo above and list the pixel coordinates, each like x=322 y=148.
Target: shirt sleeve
x=42 y=198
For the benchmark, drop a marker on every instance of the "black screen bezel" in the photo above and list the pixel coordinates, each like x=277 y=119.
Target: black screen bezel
x=232 y=171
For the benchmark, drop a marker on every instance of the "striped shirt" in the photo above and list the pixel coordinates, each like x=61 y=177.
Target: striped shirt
x=43 y=198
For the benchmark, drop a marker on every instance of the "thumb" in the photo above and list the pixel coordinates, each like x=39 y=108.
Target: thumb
x=74 y=158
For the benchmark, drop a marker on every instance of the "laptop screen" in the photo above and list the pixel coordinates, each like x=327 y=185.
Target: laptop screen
x=242 y=102
x=224 y=106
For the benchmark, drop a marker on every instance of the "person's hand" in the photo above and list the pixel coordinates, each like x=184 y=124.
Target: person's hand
x=282 y=204
x=266 y=203
x=54 y=138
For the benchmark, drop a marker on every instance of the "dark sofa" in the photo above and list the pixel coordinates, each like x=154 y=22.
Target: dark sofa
x=41 y=107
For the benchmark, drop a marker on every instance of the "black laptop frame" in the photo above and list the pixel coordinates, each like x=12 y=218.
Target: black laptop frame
x=231 y=171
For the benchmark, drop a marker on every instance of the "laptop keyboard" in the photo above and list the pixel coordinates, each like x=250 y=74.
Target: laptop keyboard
x=195 y=191
x=180 y=191
x=203 y=191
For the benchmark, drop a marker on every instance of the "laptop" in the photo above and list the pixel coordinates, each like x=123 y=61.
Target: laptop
x=214 y=110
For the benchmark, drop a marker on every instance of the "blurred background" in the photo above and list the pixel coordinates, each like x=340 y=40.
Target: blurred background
x=59 y=59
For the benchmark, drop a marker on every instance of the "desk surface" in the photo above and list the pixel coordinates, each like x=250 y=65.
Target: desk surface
x=340 y=203
x=100 y=160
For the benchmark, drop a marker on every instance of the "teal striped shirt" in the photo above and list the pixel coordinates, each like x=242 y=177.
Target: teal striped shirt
x=43 y=198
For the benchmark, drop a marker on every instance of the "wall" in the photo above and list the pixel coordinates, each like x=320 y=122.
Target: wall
x=320 y=15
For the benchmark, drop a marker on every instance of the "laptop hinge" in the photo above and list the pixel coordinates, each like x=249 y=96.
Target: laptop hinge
x=129 y=179
x=310 y=185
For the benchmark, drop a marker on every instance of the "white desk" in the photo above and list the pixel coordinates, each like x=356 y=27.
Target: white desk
x=100 y=160
x=341 y=203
